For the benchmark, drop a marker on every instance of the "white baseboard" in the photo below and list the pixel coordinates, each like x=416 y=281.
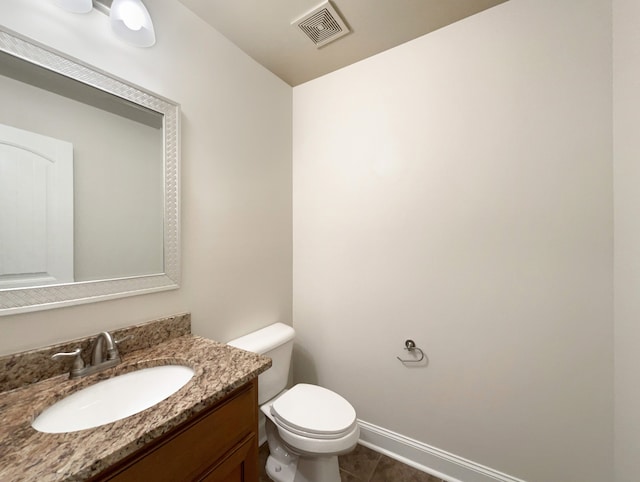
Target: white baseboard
x=445 y=465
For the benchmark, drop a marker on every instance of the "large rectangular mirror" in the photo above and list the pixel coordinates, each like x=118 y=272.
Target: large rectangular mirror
x=89 y=183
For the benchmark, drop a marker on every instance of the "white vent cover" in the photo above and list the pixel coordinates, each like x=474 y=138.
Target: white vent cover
x=322 y=25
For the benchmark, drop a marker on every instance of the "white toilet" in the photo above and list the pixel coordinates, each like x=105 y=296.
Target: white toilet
x=307 y=426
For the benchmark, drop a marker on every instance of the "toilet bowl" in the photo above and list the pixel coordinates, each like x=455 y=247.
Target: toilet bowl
x=307 y=426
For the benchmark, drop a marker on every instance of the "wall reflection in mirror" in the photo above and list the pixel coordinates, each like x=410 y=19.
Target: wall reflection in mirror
x=83 y=192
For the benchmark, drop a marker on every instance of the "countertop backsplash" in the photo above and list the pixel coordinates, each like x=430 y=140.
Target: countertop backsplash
x=21 y=369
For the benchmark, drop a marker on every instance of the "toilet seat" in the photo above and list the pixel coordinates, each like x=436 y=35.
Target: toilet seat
x=314 y=412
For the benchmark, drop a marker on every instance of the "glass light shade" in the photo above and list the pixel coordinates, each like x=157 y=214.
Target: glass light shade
x=75 y=6
x=131 y=21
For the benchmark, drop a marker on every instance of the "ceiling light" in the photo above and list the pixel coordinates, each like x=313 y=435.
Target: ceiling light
x=129 y=19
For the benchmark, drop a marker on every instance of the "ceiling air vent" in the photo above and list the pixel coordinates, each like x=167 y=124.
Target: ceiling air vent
x=322 y=25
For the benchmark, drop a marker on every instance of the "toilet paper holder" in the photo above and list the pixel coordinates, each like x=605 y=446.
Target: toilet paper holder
x=411 y=347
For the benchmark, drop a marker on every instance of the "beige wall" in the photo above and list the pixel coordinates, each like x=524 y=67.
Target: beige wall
x=626 y=108
x=457 y=190
x=236 y=174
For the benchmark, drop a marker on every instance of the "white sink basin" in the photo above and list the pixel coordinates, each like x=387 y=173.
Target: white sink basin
x=113 y=399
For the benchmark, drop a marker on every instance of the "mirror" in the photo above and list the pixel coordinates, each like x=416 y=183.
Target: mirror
x=89 y=195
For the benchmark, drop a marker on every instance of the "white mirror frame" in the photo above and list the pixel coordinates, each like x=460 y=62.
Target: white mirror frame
x=13 y=301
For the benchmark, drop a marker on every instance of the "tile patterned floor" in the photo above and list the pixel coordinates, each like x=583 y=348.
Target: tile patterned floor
x=365 y=465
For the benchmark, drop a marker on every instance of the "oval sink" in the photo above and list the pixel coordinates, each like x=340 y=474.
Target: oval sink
x=113 y=399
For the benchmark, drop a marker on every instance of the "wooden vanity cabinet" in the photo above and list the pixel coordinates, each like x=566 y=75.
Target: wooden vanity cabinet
x=217 y=445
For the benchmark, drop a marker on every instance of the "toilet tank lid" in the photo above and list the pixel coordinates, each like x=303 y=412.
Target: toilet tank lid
x=265 y=339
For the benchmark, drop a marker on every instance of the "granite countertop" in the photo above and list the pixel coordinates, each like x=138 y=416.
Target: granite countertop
x=26 y=454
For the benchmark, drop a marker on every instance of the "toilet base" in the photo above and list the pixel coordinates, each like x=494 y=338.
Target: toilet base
x=304 y=469
x=279 y=472
x=318 y=469
x=284 y=465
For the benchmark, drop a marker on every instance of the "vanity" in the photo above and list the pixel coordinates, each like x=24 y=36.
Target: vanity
x=206 y=431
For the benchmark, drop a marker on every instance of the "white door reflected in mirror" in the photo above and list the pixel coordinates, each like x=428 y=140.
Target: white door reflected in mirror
x=36 y=209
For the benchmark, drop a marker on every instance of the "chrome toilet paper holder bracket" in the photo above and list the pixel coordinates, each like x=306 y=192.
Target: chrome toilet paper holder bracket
x=411 y=347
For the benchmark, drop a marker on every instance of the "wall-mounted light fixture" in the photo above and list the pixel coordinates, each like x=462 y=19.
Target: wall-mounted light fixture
x=130 y=19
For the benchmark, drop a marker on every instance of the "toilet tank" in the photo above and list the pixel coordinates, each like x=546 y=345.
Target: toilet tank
x=276 y=342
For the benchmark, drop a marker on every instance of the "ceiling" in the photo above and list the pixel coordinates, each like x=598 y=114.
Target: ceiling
x=262 y=28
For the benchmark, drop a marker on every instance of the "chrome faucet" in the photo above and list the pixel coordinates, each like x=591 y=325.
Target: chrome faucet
x=104 y=344
x=97 y=355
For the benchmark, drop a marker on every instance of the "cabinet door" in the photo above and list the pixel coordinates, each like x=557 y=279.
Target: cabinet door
x=239 y=466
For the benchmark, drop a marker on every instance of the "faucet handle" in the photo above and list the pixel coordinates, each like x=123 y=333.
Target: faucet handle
x=117 y=342
x=114 y=354
x=78 y=363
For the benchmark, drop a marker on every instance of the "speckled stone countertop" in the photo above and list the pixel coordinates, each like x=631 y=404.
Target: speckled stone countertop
x=29 y=455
